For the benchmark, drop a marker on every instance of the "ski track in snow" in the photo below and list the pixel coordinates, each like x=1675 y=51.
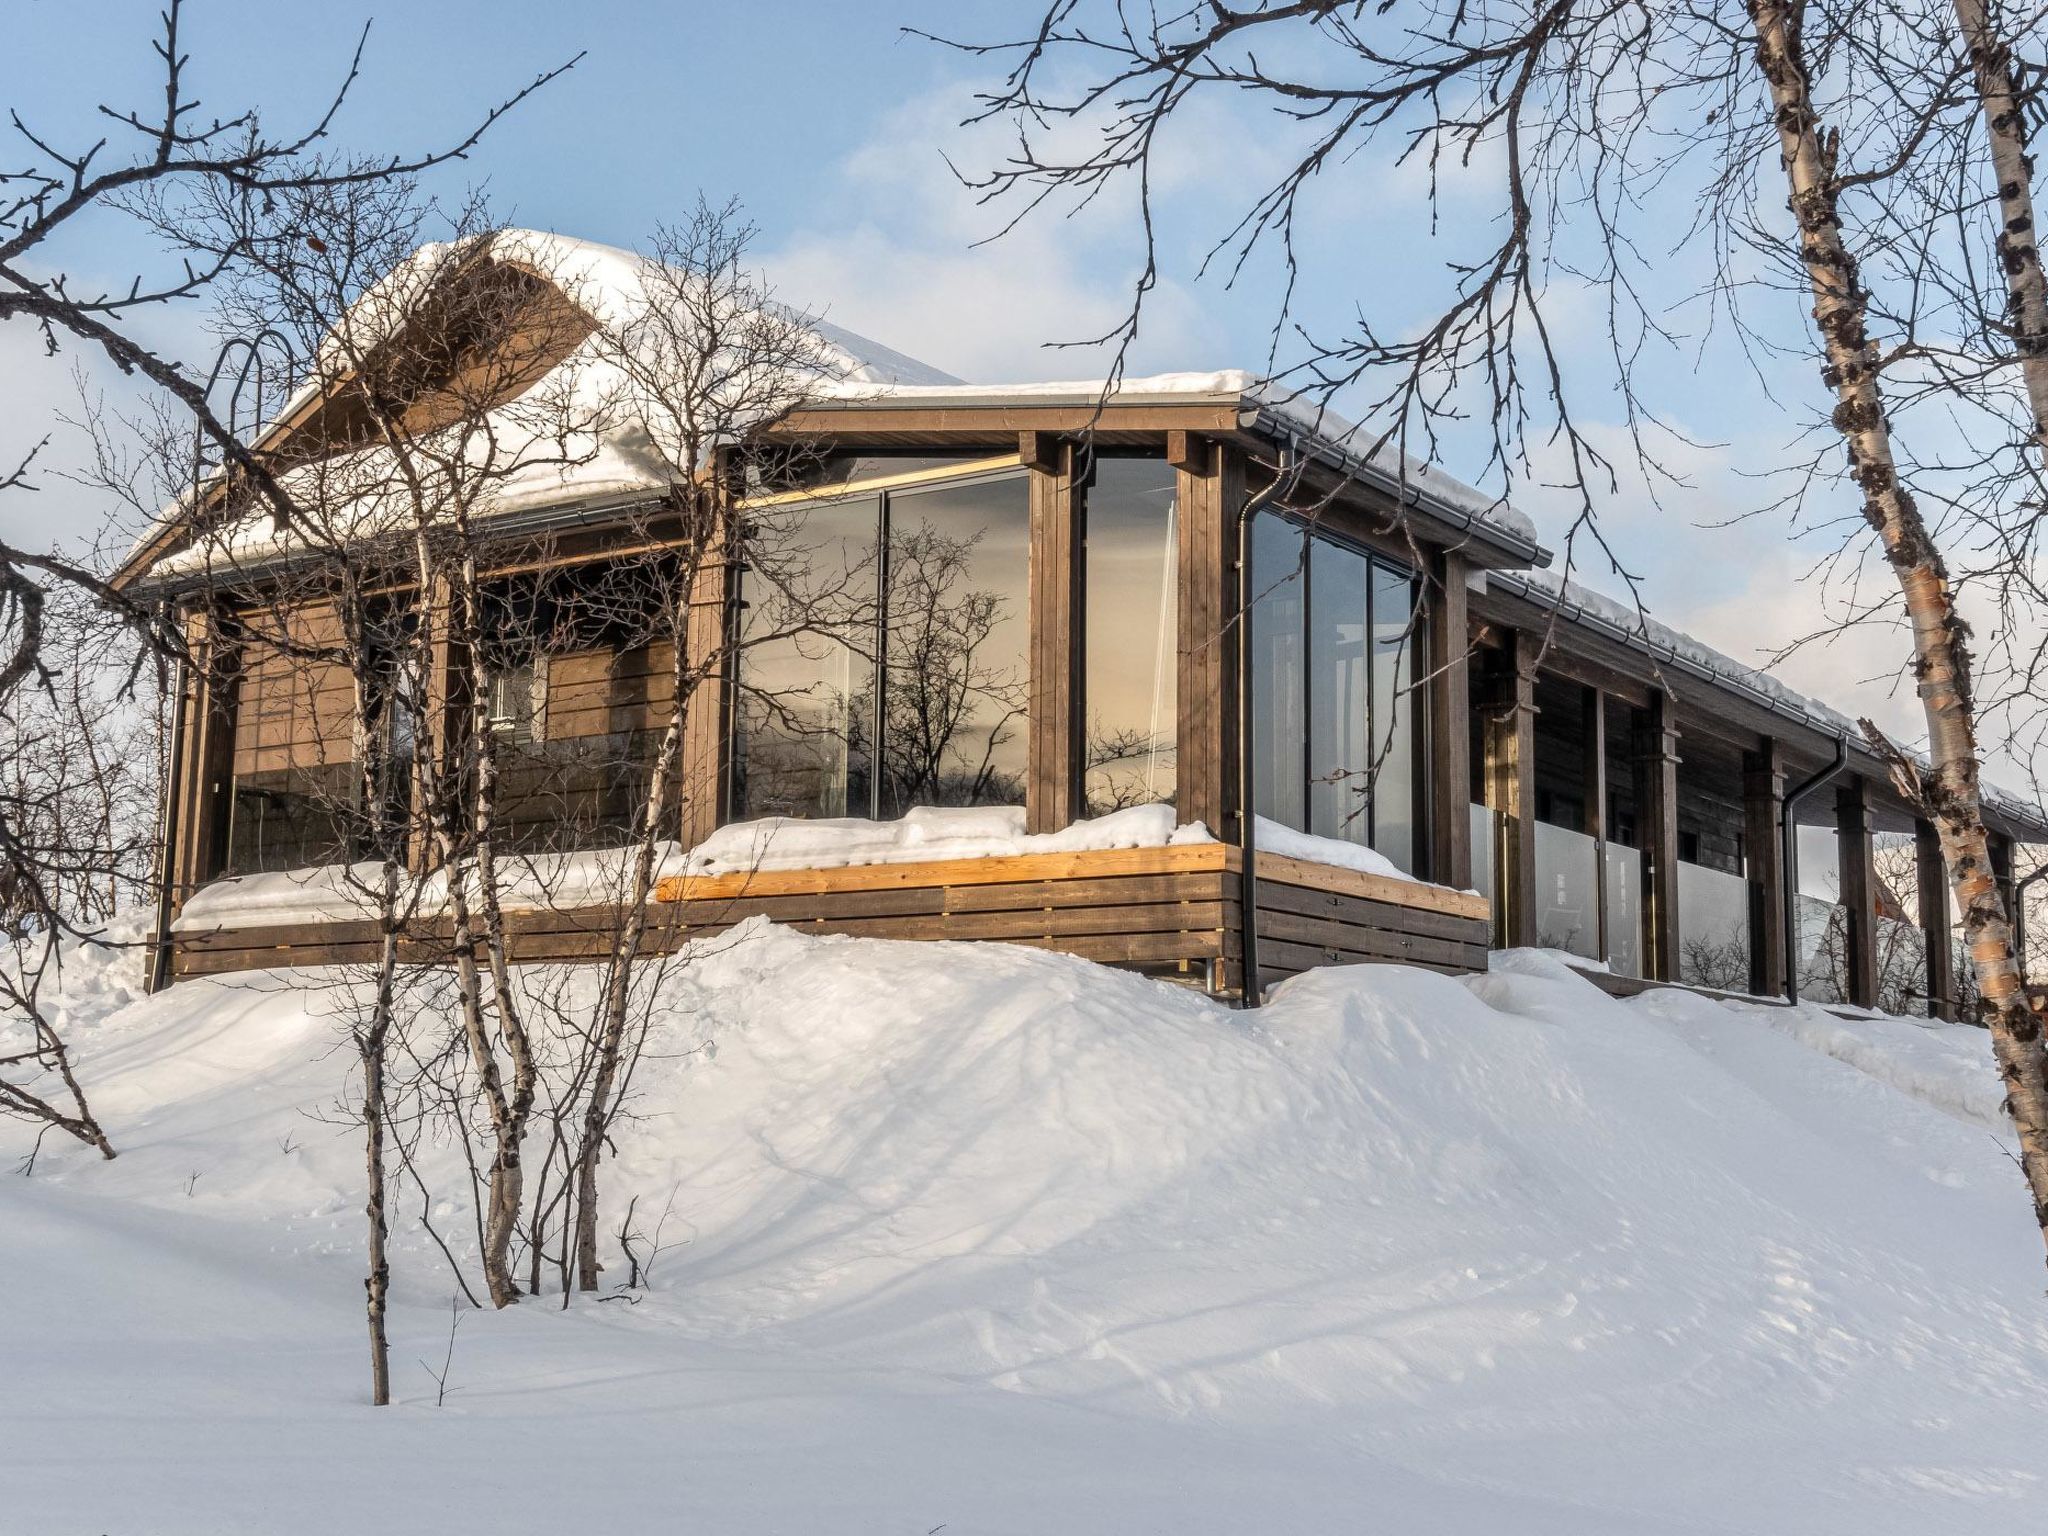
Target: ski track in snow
x=999 y=1240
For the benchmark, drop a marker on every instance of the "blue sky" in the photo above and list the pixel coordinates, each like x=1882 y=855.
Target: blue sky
x=830 y=124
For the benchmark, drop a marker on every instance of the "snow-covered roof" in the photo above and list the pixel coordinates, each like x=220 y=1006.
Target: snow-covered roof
x=1276 y=408
x=1619 y=620
x=626 y=457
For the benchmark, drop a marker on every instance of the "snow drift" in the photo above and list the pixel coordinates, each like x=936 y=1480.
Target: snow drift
x=1000 y=1241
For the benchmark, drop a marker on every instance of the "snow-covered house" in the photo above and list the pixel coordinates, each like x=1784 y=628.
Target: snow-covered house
x=1243 y=697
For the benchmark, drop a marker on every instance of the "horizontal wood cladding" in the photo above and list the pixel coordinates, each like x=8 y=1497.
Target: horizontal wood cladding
x=1157 y=907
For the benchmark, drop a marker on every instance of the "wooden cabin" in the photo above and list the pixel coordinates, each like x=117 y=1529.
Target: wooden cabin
x=1193 y=593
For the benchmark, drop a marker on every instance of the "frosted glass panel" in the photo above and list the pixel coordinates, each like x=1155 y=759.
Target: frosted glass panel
x=1823 y=950
x=1567 y=910
x=1713 y=928
x=1624 y=910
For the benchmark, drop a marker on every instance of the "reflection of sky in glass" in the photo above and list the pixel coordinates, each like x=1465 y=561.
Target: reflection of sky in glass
x=1132 y=580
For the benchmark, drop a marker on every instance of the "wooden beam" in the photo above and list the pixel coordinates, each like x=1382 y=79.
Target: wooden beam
x=1510 y=727
x=1763 y=804
x=1449 y=735
x=1039 y=450
x=1186 y=451
x=1859 y=887
x=1206 y=673
x=1656 y=787
x=1934 y=921
x=1052 y=793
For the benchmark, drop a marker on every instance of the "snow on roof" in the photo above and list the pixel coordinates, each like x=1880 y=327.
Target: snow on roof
x=1353 y=447
x=1623 y=621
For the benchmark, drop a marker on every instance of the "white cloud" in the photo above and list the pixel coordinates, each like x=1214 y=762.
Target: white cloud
x=904 y=256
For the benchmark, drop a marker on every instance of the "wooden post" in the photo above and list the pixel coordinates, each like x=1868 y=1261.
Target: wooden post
x=1859 y=887
x=207 y=777
x=1934 y=921
x=707 y=729
x=1052 y=794
x=1656 y=787
x=1449 y=736
x=1763 y=802
x=1206 y=673
x=1511 y=788
x=1593 y=781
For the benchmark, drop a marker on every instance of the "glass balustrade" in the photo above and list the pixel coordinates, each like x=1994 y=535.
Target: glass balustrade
x=1713 y=928
x=1624 y=876
x=1567 y=891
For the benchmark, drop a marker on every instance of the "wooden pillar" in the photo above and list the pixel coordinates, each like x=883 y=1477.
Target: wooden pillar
x=1934 y=921
x=1593 y=784
x=1052 y=793
x=1763 y=803
x=1511 y=787
x=1449 y=736
x=709 y=633
x=205 y=777
x=1211 y=496
x=1656 y=792
x=1859 y=887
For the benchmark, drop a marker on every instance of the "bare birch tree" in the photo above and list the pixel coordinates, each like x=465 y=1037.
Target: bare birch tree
x=1580 y=129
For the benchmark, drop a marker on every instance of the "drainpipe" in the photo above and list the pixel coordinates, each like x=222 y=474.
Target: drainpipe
x=1286 y=472
x=2019 y=919
x=1789 y=830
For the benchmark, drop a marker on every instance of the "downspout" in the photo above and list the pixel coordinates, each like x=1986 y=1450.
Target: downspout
x=1788 y=829
x=2019 y=918
x=1285 y=473
x=166 y=824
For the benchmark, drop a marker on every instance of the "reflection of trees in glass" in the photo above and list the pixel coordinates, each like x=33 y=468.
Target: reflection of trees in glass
x=1126 y=766
x=955 y=692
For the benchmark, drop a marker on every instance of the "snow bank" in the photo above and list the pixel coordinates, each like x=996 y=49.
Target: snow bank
x=329 y=893
x=993 y=1239
x=1272 y=837
x=925 y=833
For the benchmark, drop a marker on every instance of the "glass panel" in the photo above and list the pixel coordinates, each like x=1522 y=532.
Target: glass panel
x=1482 y=858
x=958 y=659
x=1567 y=914
x=1132 y=561
x=1396 y=641
x=1901 y=967
x=1823 y=950
x=1279 y=705
x=1713 y=928
x=806 y=697
x=1340 y=766
x=1624 y=910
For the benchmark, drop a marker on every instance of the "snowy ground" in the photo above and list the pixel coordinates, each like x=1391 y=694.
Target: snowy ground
x=986 y=1240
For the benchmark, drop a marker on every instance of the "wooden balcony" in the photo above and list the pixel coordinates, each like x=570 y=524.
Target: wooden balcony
x=1176 y=911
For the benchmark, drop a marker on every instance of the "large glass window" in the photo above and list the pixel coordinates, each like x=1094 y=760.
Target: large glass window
x=1279 y=676
x=885 y=653
x=805 y=713
x=1130 y=627
x=956 y=646
x=1334 y=658
x=580 y=678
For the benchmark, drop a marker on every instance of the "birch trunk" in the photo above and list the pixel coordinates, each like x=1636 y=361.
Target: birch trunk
x=1941 y=652
x=2019 y=251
